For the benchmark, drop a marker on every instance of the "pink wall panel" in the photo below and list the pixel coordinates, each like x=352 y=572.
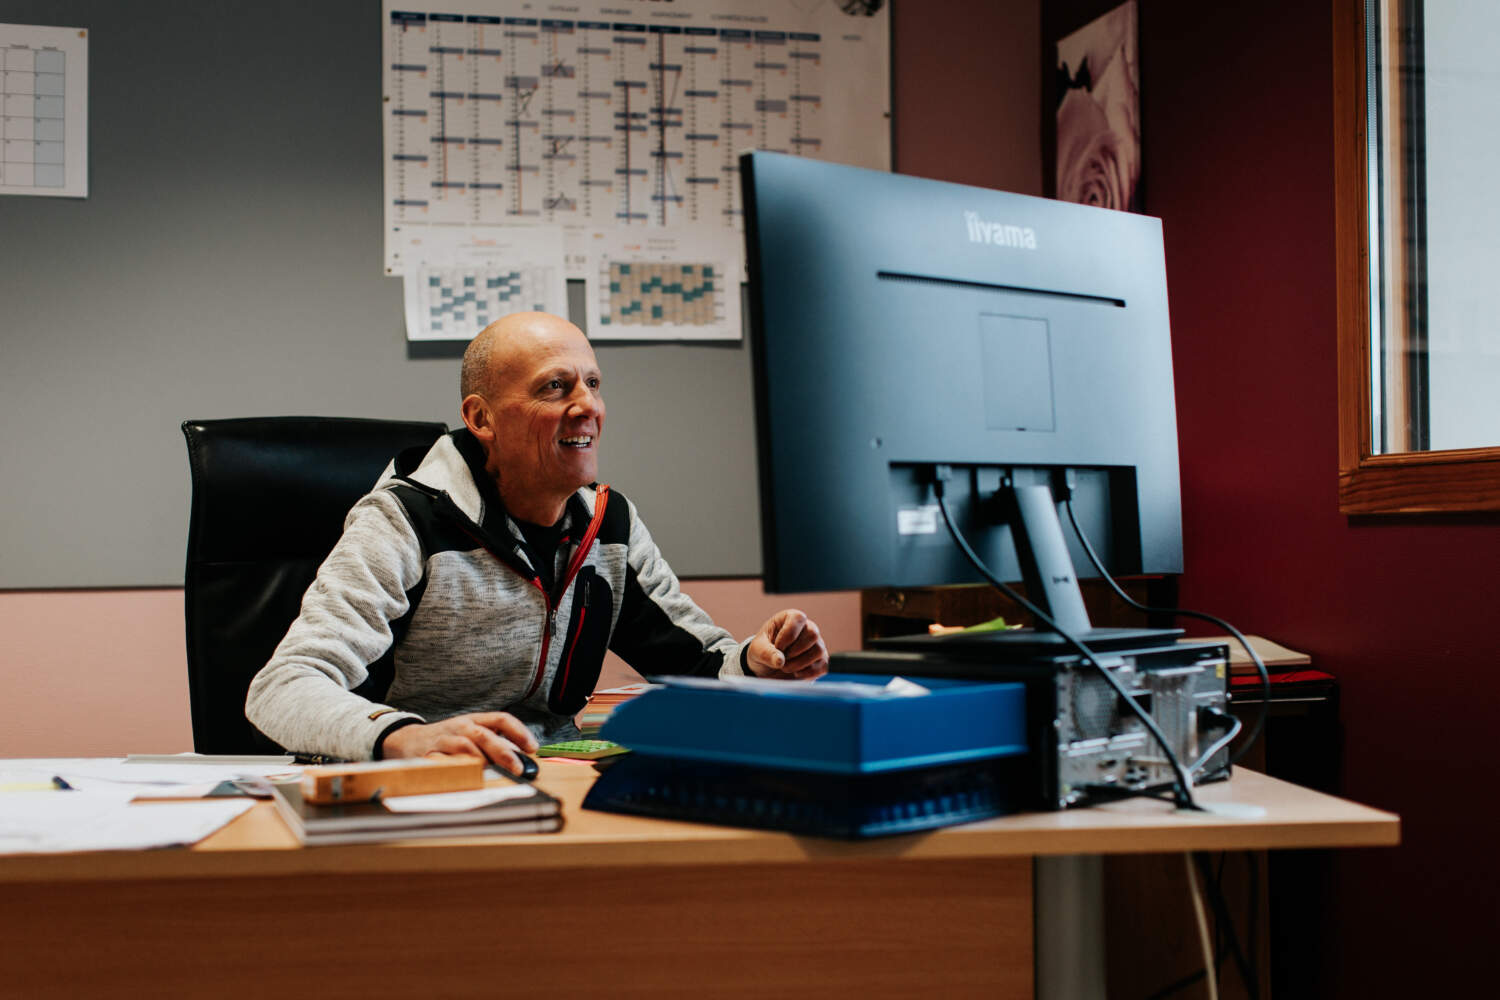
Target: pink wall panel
x=93 y=673
x=104 y=673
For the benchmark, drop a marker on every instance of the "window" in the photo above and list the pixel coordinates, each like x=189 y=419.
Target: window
x=1419 y=327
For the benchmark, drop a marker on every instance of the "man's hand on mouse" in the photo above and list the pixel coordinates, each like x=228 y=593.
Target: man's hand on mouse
x=788 y=646
x=494 y=736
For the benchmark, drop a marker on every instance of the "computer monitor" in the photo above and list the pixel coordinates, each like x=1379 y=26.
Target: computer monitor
x=900 y=324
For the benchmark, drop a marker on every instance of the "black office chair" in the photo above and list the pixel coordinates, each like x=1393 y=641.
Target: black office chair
x=269 y=499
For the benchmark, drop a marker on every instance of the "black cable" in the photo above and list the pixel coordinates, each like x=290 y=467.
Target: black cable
x=1246 y=957
x=1224 y=930
x=1177 y=987
x=1220 y=931
x=1252 y=920
x=1242 y=963
x=1265 y=676
x=1182 y=795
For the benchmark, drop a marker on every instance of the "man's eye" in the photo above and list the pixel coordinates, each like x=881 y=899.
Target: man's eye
x=595 y=383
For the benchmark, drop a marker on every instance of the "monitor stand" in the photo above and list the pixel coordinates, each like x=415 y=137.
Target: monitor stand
x=1051 y=584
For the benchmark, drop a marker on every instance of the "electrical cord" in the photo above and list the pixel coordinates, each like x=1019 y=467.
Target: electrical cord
x=1226 y=942
x=1260 y=667
x=1233 y=730
x=1182 y=794
x=1176 y=987
x=1209 y=969
x=1224 y=923
x=1226 y=938
x=1235 y=725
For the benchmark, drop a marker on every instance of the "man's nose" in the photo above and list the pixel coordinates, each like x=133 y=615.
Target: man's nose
x=585 y=401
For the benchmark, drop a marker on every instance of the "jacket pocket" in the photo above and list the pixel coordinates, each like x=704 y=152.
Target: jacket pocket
x=587 y=639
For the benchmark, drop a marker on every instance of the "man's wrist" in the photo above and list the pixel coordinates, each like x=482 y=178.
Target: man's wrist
x=745 y=660
x=378 y=753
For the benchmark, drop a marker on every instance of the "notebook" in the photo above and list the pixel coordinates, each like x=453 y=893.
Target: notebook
x=525 y=809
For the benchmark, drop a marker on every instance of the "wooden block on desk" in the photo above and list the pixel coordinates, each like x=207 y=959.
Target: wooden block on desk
x=389 y=778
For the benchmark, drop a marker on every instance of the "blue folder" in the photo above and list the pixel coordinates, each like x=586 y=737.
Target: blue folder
x=836 y=766
x=958 y=721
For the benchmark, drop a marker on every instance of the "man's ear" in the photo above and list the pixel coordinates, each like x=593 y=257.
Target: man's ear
x=477 y=418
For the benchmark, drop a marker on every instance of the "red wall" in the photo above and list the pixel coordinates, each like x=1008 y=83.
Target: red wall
x=1237 y=129
x=1237 y=123
x=965 y=77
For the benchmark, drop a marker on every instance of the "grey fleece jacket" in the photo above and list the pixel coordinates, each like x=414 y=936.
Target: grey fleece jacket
x=431 y=607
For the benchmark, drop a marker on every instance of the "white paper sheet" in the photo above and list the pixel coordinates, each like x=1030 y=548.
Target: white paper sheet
x=664 y=284
x=130 y=778
x=459 y=280
x=896 y=687
x=456 y=801
x=56 y=821
x=44 y=101
x=618 y=112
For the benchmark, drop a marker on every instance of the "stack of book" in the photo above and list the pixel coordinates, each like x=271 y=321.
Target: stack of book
x=602 y=704
x=509 y=806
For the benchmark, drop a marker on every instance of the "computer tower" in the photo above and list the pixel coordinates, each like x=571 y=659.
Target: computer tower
x=1087 y=745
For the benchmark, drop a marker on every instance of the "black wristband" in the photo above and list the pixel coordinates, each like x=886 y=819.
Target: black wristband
x=378 y=753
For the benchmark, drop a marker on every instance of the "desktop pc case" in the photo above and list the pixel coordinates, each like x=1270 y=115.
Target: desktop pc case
x=1087 y=747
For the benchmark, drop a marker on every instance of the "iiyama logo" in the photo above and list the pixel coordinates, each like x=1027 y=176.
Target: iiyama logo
x=999 y=233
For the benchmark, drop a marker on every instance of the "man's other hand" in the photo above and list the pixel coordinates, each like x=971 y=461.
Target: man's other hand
x=788 y=646
x=494 y=736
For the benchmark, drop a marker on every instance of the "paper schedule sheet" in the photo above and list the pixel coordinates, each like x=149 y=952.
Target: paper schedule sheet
x=44 y=90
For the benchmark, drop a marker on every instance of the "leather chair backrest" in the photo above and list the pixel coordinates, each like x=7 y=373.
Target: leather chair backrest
x=269 y=499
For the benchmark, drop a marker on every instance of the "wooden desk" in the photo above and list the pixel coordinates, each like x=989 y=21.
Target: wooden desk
x=614 y=906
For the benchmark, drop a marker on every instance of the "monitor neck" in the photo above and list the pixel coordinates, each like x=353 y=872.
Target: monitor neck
x=1046 y=566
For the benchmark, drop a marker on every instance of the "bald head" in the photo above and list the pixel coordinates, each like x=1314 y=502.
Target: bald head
x=532 y=400
x=500 y=345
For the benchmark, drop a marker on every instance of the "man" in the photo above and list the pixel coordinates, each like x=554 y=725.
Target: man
x=480 y=583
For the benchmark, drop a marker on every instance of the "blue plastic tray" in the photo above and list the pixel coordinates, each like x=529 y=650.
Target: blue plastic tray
x=958 y=721
x=808 y=802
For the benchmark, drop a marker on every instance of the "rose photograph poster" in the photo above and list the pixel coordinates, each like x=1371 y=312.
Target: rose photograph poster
x=1099 y=113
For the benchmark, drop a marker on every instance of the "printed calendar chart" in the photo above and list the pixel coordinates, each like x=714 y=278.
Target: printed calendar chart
x=468 y=278
x=43 y=111
x=625 y=114
x=656 y=284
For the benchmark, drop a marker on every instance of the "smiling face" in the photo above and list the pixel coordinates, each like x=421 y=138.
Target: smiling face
x=538 y=414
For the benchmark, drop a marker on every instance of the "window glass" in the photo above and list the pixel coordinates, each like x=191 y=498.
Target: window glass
x=1434 y=129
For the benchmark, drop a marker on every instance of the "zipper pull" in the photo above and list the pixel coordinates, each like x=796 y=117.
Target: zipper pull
x=552 y=622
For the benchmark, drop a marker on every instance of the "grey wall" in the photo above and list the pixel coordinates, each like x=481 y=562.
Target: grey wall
x=227 y=262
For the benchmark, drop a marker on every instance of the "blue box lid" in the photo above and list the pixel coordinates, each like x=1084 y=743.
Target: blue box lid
x=799 y=726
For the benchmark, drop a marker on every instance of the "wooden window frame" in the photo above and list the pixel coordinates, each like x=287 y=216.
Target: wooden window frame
x=1421 y=482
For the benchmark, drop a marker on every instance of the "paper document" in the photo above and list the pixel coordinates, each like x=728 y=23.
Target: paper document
x=52 y=822
x=456 y=801
x=616 y=112
x=897 y=687
x=44 y=106
x=678 y=284
x=135 y=778
x=458 y=281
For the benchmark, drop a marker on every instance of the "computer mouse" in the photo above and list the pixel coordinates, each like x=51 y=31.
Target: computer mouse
x=528 y=766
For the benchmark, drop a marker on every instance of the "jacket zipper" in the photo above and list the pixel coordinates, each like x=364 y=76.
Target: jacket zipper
x=567 y=664
x=601 y=499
